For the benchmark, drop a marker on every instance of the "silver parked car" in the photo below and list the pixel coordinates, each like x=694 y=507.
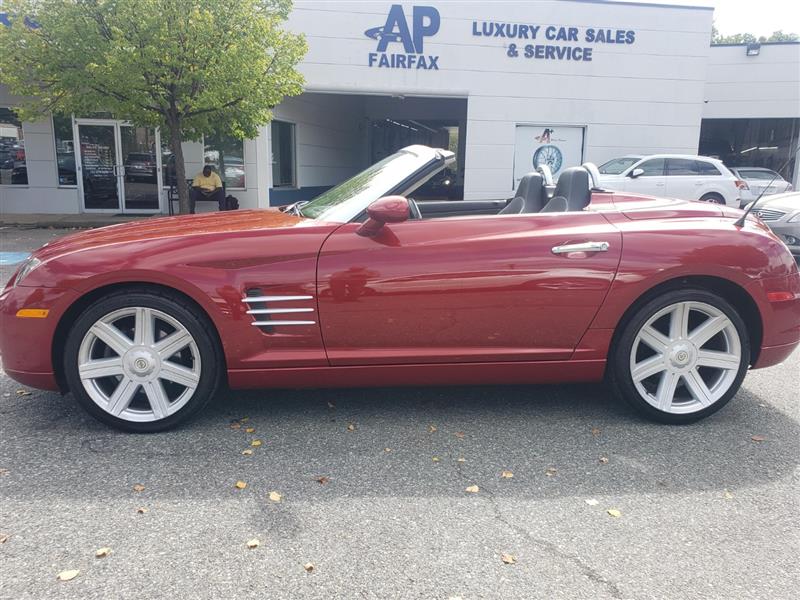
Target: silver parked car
x=781 y=213
x=760 y=180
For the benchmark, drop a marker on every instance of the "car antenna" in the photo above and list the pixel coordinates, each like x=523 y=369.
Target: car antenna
x=740 y=221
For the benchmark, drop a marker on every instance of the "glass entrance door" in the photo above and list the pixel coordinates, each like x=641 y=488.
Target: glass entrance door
x=118 y=167
x=98 y=167
x=139 y=168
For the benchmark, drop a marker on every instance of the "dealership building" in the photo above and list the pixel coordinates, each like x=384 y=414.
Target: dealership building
x=505 y=85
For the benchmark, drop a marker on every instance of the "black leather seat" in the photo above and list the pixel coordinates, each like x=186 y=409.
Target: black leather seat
x=529 y=197
x=572 y=192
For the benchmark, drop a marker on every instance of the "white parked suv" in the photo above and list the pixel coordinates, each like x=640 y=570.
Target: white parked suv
x=674 y=176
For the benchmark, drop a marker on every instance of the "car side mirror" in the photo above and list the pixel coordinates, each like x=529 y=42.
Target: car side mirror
x=389 y=209
x=636 y=173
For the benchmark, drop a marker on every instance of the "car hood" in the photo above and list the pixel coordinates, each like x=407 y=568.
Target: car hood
x=782 y=202
x=171 y=227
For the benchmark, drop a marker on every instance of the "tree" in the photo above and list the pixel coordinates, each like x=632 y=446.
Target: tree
x=191 y=67
x=749 y=38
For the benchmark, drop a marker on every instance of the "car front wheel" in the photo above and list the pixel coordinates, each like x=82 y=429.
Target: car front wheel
x=141 y=361
x=681 y=357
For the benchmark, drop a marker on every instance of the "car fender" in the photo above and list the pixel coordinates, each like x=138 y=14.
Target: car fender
x=656 y=252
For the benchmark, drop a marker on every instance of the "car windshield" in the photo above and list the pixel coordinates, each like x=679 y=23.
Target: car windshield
x=348 y=199
x=618 y=165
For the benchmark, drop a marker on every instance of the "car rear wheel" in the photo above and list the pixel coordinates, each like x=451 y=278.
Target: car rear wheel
x=714 y=198
x=681 y=357
x=142 y=361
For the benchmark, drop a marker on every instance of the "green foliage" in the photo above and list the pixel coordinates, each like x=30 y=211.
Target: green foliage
x=216 y=65
x=192 y=67
x=749 y=38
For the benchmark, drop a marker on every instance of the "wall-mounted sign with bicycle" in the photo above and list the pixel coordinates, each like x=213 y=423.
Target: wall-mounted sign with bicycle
x=556 y=146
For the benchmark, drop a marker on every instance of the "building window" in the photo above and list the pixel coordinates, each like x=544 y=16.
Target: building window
x=65 y=150
x=226 y=155
x=13 y=170
x=283 y=153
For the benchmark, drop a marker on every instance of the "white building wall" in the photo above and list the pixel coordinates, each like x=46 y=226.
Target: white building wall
x=762 y=86
x=643 y=97
x=330 y=134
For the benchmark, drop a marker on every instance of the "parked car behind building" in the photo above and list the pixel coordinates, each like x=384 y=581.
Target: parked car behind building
x=674 y=175
x=760 y=180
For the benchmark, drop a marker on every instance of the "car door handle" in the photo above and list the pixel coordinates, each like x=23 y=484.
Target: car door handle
x=583 y=247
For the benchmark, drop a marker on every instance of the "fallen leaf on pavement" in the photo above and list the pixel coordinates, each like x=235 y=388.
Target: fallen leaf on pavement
x=758 y=438
x=351 y=427
x=461 y=459
x=236 y=425
x=4 y=537
x=551 y=472
x=728 y=495
x=435 y=459
x=506 y=474
x=138 y=487
x=603 y=460
x=275 y=496
x=592 y=502
x=254 y=543
x=322 y=480
x=247 y=452
x=141 y=510
x=240 y=485
x=509 y=559
x=256 y=443
x=102 y=552
x=459 y=434
x=387 y=449
x=4 y=472
x=595 y=431
x=473 y=489
x=614 y=512
x=250 y=430
x=23 y=393
x=68 y=575
x=432 y=428
x=308 y=567
x=244 y=419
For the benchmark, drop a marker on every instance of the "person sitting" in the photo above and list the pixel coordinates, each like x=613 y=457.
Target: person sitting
x=207 y=186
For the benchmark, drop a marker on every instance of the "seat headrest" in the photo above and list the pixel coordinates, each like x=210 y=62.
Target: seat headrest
x=530 y=189
x=573 y=184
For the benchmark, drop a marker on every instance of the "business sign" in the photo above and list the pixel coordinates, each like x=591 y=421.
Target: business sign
x=556 y=146
x=535 y=41
x=573 y=43
x=425 y=22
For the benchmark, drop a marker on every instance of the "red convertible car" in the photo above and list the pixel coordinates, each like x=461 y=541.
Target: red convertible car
x=670 y=301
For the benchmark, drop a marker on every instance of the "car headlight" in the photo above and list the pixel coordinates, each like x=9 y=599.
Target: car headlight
x=26 y=269
x=795 y=218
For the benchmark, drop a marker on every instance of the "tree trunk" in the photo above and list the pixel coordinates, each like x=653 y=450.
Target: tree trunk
x=184 y=206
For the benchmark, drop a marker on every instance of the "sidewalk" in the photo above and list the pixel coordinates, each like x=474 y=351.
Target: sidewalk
x=72 y=221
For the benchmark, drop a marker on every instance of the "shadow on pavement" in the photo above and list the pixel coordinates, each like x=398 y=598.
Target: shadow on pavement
x=57 y=450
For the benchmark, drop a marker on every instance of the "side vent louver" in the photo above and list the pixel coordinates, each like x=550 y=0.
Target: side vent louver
x=270 y=311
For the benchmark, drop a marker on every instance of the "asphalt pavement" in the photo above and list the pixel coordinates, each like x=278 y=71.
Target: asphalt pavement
x=372 y=492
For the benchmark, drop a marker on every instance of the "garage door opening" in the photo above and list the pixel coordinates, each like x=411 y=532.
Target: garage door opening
x=321 y=139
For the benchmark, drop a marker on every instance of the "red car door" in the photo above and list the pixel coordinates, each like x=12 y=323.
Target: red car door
x=491 y=288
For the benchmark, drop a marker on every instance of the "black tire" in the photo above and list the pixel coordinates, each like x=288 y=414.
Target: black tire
x=179 y=309
x=619 y=370
x=712 y=197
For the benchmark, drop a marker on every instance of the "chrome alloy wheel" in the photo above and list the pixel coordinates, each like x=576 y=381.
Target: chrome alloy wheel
x=139 y=364
x=685 y=357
